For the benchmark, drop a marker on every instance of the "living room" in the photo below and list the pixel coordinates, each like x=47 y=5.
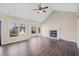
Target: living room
x=28 y=27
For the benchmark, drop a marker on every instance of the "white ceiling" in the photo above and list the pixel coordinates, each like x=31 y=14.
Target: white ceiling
x=25 y=10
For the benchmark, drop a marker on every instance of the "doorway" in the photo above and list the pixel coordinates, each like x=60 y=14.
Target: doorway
x=0 y=32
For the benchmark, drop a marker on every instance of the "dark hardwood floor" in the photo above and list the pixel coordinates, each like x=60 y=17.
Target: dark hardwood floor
x=40 y=46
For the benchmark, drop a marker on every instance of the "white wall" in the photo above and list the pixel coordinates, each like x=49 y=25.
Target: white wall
x=6 y=31
x=64 y=20
x=77 y=31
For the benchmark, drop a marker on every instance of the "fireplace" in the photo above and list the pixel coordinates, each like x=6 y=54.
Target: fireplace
x=53 y=33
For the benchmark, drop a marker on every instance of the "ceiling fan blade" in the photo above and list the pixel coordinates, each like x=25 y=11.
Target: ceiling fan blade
x=45 y=7
x=39 y=5
x=43 y=10
x=35 y=9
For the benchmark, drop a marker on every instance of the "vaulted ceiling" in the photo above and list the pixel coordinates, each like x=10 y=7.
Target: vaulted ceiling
x=25 y=10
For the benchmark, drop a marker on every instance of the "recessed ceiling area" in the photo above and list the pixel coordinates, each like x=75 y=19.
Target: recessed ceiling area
x=25 y=10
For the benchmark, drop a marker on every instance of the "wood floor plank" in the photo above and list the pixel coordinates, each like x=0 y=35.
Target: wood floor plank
x=40 y=46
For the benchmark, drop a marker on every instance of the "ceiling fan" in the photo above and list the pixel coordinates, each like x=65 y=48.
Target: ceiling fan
x=40 y=8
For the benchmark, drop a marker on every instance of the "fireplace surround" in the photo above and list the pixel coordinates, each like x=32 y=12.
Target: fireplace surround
x=53 y=33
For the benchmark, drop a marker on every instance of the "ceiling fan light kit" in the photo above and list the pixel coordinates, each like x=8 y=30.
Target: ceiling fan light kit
x=40 y=11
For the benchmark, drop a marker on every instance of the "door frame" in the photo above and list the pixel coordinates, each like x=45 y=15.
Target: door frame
x=0 y=32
